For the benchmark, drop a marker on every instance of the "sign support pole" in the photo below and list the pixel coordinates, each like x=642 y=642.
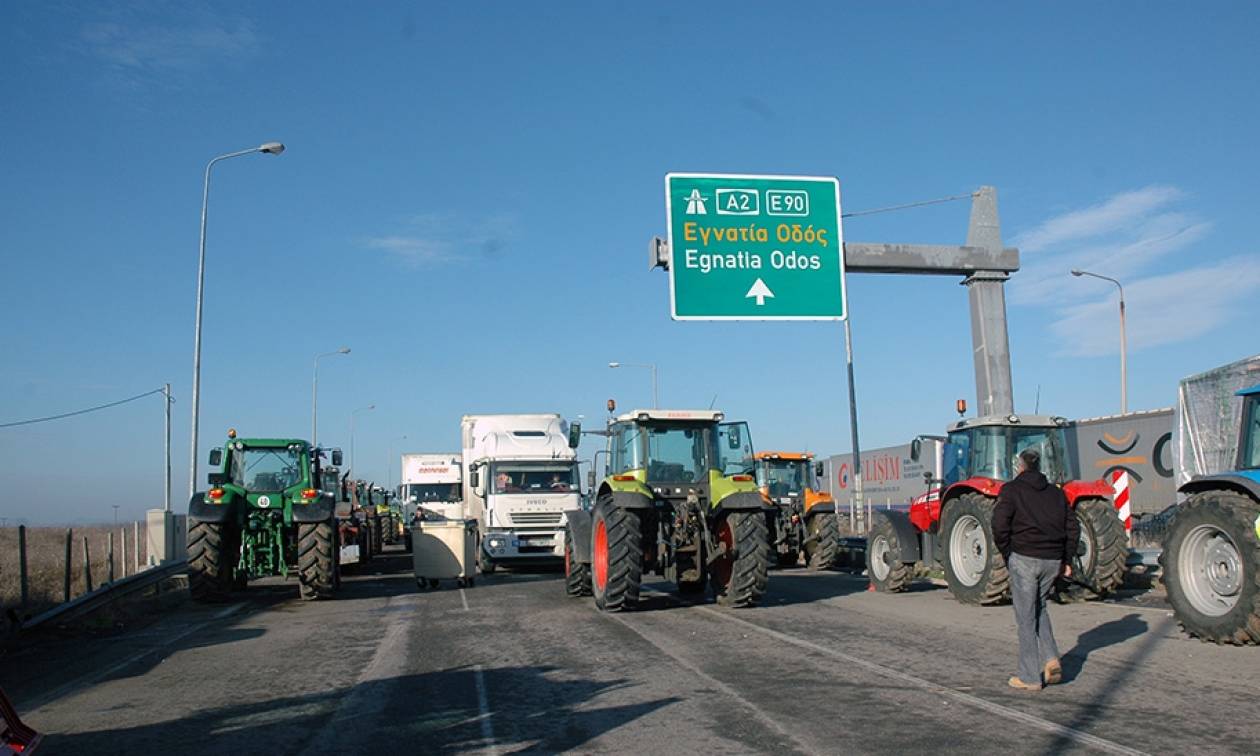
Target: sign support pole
x=859 y=526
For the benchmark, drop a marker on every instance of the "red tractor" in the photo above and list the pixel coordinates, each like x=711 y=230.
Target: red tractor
x=952 y=524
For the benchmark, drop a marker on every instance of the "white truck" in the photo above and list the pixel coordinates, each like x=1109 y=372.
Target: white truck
x=522 y=474
x=432 y=486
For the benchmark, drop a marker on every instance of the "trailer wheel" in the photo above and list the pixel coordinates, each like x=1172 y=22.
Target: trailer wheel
x=1105 y=549
x=740 y=576
x=317 y=561
x=577 y=576
x=823 y=546
x=1211 y=564
x=883 y=565
x=211 y=563
x=974 y=568
x=616 y=557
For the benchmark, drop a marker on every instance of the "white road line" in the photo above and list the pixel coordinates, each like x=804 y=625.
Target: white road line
x=95 y=677
x=1054 y=728
x=728 y=690
x=483 y=703
x=464 y=598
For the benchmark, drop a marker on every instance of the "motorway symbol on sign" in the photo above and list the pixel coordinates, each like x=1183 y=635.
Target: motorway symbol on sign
x=754 y=247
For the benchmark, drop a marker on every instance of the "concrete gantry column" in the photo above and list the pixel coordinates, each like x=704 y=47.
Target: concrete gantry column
x=986 y=292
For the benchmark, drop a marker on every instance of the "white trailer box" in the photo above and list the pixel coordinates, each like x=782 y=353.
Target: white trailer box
x=522 y=475
x=432 y=485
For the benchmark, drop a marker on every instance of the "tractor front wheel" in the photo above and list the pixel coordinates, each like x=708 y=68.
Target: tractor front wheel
x=974 y=568
x=823 y=546
x=616 y=557
x=577 y=576
x=1211 y=564
x=739 y=576
x=883 y=559
x=317 y=563
x=211 y=561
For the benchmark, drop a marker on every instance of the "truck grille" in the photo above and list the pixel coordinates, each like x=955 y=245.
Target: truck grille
x=536 y=518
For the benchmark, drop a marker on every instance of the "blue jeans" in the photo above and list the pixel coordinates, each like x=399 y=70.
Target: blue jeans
x=1031 y=582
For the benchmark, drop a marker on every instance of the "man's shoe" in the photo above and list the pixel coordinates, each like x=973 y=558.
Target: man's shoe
x=1019 y=684
x=1053 y=672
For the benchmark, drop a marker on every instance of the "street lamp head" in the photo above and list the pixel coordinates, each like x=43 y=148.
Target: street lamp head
x=614 y=364
x=1077 y=272
x=272 y=148
x=343 y=350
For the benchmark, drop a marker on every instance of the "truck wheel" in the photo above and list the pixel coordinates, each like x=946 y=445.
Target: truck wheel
x=823 y=546
x=974 y=568
x=484 y=565
x=577 y=576
x=1106 y=549
x=316 y=560
x=740 y=580
x=1211 y=564
x=883 y=562
x=211 y=561
x=616 y=558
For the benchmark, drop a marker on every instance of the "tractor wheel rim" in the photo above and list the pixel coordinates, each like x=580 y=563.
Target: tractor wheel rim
x=723 y=567
x=1085 y=556
x=600 y=557
x=879 y=557
x=1210 y=570
x=968 y=551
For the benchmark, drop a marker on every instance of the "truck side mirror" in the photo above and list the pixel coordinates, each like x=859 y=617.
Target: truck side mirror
x=217 y=478
x=336 y=457
x=575 y=435
x=916 y=449
x=216 y=457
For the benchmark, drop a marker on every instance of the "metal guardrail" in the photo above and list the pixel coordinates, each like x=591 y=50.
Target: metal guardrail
x=107 y=594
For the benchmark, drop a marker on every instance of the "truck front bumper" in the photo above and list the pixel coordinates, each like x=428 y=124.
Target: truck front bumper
x=514 y=545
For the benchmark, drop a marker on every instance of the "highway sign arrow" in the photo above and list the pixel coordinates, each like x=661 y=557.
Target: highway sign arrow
x=760 y=291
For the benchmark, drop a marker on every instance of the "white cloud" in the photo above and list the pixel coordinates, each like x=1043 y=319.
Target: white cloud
x=436 y=238
x=1118 y=213
x=414 y=249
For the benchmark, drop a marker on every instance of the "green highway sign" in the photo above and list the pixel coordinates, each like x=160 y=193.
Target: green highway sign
x=754 y=247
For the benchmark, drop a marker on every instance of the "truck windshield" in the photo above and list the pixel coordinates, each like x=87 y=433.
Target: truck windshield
x=679 y=453
x=560 y=478
x=266 y=469
x=430 y=492
x=785 y=477
x=993 y=452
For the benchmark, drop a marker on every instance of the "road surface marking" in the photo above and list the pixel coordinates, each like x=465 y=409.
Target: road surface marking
x=728 y=690
x=1054 y=728
x=95 y=677
x=464 y=598
x=483 y=703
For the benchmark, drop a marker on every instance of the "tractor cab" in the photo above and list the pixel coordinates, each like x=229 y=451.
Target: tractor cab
x=989 y=447
x=677 y=453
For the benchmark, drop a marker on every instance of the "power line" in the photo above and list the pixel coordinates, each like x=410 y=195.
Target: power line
x=907 y=206
x=83 y=411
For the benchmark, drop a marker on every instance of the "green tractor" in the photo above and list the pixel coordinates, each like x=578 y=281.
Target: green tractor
x=680 y=501
x=264 y=514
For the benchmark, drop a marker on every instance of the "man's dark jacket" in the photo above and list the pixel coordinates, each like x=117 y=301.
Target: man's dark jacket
x=1032 y=518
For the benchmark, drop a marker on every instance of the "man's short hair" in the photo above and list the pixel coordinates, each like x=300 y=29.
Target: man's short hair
x=1031 y=459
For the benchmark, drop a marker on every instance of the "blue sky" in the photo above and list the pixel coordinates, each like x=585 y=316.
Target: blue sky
x=469 y=189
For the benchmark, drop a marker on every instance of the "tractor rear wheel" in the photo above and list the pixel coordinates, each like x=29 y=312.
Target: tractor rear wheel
x=974 y=568
x=316 y=561
x=616 y=557
x=375 y=535
x=577 y=576
x=211 y=561
x=823 y=546
x=739 y=576
x=1105 y=548
x=1211 y=564
x=883 y=559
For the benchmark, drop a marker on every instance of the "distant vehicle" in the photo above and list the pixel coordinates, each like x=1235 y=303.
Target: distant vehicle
x=521 y=474
x=804 y=524
x=434 y=481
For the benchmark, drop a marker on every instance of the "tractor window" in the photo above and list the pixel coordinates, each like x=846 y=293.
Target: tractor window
x=624 y=448
x=956 y=459
x=787 y=477
x=1250 y=447
x=678 y=454
x=735 y=450
x=267 y=469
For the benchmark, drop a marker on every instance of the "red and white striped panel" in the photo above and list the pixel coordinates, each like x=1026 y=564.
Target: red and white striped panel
x=1120 y=482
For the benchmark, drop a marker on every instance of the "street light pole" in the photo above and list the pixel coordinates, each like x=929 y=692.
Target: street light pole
x=353 y=414
x=1124 y=358
x=271 y=148
x=650 y=366
x=315 y=395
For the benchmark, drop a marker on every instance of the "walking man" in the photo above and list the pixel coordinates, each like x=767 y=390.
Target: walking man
x=1037 y=533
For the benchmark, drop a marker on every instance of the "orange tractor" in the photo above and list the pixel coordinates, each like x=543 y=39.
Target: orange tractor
x=804 y=522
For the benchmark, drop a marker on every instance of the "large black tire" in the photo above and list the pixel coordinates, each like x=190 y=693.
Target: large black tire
x=375 y=535
x=616 y=557
x=577 y=576
x=317 y=562
x=1106 y=548
x=741 y=581
x=823 y=546
x=967 y=531
x=883 y=558
x=211 y=561
x=1211 y=563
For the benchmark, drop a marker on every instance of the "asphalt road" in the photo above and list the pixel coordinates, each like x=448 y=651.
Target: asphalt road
x=513 y=665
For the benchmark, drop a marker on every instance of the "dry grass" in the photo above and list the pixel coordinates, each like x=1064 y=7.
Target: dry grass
x=45 y=559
